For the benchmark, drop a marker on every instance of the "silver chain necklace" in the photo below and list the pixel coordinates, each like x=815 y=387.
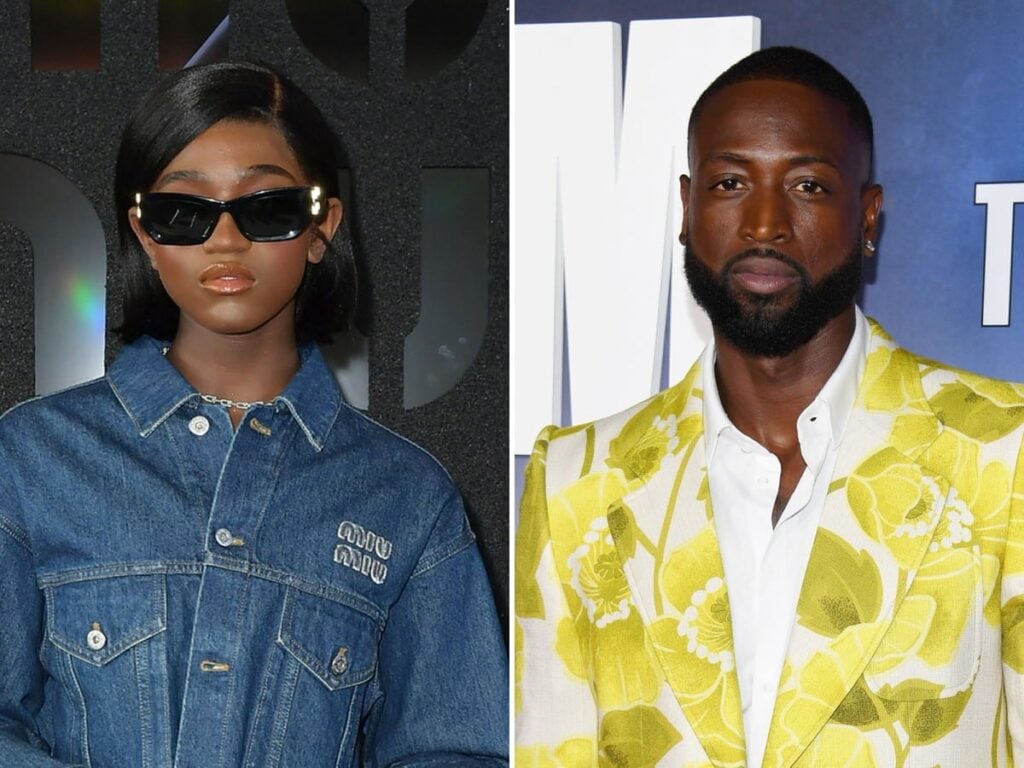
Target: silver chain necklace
x=240 y=405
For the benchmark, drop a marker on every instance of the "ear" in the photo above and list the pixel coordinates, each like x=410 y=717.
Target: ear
x=142 y=235
x=325 y=229
x=684 y=196
x=870 y=208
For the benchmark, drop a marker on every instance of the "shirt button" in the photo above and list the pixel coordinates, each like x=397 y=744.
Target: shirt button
x=199 y=425
x=96 y=640
x=224 y=537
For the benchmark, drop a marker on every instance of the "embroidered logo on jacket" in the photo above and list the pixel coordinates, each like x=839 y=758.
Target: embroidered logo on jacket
x=363 y=551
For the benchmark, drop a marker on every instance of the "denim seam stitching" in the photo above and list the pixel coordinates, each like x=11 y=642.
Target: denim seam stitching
x=143 y=693
x=279 y=727
x=146 y=431
x=342 y=751
x=83 y=710
x=113 y=570
x=241 y=608
x=19 y=535
x=341 y=596
x=438 y=555
x=283 y=454
x=317 y=443
x=262 y=695
x=404 y=439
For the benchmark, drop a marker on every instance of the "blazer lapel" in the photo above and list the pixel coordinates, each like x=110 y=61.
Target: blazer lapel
x=878 y=520
x=665 y=538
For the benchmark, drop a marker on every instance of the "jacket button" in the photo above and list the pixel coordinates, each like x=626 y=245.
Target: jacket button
x=96 y=640
x=340 y=662
x=224 y=537
x=199 y=425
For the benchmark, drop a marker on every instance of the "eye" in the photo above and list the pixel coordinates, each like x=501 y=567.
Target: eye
x=730 y=184
x=809 y=187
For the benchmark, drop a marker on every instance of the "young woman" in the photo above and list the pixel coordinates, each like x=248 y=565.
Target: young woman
x=207 y=559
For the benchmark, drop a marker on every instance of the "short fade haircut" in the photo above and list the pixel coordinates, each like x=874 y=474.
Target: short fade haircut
x=166 y=121
x=794 y=65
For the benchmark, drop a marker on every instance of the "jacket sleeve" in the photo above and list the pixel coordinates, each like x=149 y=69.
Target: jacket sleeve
x=556 y=715
x=21 y=674
x=442 y=685
x=1012 y=596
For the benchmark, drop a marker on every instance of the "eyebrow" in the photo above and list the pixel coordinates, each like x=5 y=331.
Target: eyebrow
x=261 y=169
x=813 y=160
x=734 y=157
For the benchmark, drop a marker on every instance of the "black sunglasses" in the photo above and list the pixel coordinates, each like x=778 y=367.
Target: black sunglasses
x=265 y=216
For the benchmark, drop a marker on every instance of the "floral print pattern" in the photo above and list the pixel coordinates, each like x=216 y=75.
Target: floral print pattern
x=908 y=645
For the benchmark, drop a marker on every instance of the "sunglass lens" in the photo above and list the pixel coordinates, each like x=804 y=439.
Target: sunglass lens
x=274 y=215
x=173 y=220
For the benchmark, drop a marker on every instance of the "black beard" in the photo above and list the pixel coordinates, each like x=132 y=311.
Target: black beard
x=765 y=326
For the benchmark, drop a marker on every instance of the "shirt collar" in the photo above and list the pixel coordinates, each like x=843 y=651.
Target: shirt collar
x=150 y=389
x=836 y=398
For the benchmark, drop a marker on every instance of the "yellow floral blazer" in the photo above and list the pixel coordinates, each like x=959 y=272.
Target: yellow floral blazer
x=908 y=646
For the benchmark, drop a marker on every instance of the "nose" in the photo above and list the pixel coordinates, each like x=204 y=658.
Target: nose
x=226 y=236
x=766 y=216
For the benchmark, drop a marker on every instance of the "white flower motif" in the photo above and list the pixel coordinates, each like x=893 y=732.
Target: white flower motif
x=669 y=426
x=958 y=528
x=597 y=576
x=924 y=523
x=694 y=620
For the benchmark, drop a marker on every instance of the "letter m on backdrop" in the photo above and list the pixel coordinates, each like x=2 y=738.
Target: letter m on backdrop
x=597 y=209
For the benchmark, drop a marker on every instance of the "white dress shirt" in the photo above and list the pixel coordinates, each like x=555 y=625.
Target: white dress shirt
x=764 y=567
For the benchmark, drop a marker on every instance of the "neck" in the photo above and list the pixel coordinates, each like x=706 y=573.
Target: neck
x=764 y=396
x=244 y=367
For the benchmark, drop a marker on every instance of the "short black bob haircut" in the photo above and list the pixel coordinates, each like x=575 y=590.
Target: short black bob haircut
x=164 y=123
x=794 y=65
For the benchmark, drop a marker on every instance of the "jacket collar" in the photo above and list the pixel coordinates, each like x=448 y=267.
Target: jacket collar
x=673 y=585
x=150 y=389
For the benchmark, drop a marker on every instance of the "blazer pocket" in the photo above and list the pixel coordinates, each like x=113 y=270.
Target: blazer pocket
x=932 y=648
x=96 y=620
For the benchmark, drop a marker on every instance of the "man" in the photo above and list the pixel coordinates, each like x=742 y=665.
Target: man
x=807 y=552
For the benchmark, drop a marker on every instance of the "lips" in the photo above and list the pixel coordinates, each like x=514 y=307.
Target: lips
x=226 y=278
x=764 y=275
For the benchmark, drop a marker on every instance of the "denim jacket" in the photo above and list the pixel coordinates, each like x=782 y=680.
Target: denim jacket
x=303 y=591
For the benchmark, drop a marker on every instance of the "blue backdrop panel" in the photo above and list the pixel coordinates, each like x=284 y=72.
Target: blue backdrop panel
x=946 y=90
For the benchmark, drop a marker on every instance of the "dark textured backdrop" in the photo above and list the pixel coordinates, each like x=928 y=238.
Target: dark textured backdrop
x=392 y=120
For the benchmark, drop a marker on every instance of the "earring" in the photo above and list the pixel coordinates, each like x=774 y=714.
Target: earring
x=869 y=246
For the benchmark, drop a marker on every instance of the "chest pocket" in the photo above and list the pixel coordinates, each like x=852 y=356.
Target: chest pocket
x=107 y=650
x=329 y=654
x=933 y=646
x=335 y=643
x=99 y=619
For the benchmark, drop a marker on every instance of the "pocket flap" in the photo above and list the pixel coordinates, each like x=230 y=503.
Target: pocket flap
x=336 y=643
x=98 y=619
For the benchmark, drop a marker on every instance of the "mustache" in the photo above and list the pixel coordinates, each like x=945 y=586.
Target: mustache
x=767 y=253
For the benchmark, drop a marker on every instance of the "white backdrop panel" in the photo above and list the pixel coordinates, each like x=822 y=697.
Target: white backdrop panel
x=604 y=210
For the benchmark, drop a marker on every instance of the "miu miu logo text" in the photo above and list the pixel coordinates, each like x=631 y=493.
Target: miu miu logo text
x=363 y=551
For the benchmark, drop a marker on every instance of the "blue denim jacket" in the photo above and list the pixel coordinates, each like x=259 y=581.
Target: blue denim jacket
x=302 y=592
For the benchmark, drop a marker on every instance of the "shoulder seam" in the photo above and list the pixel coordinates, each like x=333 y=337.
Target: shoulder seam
x=439 y=554
x=416 y=446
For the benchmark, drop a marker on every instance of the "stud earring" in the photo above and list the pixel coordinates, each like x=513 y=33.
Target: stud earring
x=869 y=246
